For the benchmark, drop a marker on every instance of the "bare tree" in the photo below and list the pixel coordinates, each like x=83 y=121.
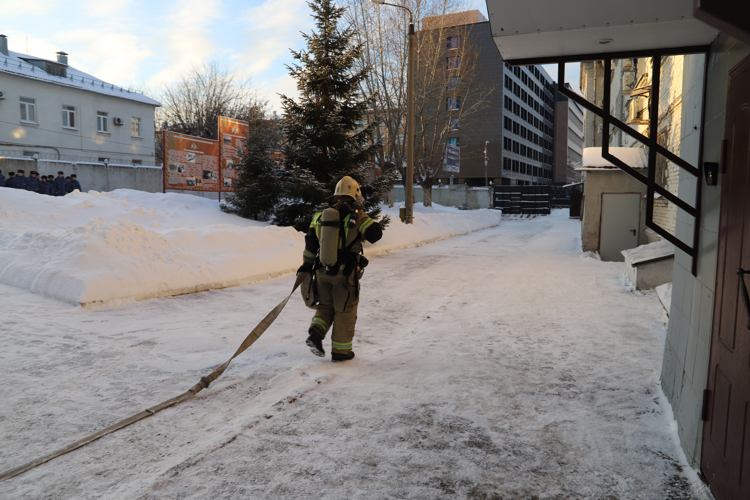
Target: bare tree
x=193 y=104
x=451 y=95
x=382 y=32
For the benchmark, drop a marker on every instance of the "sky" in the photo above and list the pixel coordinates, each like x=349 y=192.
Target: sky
x=148 y=44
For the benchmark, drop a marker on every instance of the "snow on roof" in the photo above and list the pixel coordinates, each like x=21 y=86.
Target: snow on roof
x=633 y=157
x=16 y=64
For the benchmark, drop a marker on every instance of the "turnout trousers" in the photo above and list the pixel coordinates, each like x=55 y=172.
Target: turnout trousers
x=339 y=298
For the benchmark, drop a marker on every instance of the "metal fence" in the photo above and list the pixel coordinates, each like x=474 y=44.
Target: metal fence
x=522 y=200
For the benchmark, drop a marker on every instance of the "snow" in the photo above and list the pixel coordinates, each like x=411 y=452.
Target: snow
x=112 y=248
x=503 y=363
x=14 y=64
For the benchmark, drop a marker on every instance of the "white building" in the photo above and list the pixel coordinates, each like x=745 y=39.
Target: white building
x=57 y=112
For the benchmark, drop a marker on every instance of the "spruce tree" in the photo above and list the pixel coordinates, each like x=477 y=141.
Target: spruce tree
x=327 y=132
x=257 y=188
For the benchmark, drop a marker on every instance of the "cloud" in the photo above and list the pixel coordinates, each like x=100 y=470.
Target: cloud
x=283 y=85
x=28 y=7
x=271 y=28
x=113 y=57
x=99 y=8
x=185 y=40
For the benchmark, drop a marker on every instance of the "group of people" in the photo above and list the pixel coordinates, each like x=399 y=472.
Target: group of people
x=45 y=184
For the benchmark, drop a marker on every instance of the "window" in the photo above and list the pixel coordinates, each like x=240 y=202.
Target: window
x=101 y=122
x=103 y=160
x=454 y=62
x=454 y=103
x=454 y=42
x=454 y=141
x=454 y=124
x=28 y=110
x=69 y=116
x=516 y=108
x=135 y=127
x=137 y=162
x=454 y=82
x=31 y=153
x=515 y=127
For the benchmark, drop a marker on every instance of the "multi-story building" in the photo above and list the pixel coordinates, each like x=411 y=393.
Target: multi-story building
x=568 y=140
x=56 y=112
x=513 y=122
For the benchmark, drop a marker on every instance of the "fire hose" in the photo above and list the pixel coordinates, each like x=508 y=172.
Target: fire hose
x=202 y=384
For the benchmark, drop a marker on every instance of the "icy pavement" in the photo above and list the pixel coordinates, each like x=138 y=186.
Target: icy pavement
x=500 y=364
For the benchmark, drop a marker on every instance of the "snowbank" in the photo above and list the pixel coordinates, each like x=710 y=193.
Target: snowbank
x=92 y=248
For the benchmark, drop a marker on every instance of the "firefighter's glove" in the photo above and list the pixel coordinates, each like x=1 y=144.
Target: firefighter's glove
x=305 y=268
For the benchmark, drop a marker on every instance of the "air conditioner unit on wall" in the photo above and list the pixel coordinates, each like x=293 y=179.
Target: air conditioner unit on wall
x=118 y=121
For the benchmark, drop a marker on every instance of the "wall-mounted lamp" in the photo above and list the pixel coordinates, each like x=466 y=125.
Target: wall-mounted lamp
x=712 y=173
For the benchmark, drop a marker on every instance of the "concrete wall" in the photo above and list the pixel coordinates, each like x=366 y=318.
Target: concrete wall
x=597 y=183
x=93 y=176
x=456 y=195
x=687 y=348
x=48 y=136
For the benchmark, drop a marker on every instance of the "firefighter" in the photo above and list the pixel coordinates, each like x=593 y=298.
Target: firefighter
x=333 y=245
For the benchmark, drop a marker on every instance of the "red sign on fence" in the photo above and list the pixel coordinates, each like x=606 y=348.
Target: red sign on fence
x=190 y=163
x=232 y=135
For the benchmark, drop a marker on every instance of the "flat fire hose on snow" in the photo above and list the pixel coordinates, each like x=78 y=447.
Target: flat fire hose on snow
x=203 y=384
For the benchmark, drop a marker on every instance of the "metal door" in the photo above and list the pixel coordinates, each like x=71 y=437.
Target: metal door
x=725 y=457
x=620 y=224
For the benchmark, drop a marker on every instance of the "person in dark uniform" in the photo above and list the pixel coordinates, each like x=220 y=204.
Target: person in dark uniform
x=59 y=184
x=11 y=180
x=74 y=184
x=2 y=180
x=46 y=187
x=33 y=183
x=20 y=180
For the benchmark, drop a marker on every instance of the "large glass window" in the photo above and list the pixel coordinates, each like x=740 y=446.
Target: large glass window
x=102 y=120
x=69 y=116
x=454 y=62
x=28 y=110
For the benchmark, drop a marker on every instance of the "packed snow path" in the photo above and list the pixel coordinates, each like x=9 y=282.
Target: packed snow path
x=501 y=364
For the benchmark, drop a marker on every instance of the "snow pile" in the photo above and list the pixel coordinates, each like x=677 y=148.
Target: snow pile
x=88 y=248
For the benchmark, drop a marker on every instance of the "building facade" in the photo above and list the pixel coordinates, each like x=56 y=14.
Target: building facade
x=56 y=112
x=513 y=123
x=568 y=140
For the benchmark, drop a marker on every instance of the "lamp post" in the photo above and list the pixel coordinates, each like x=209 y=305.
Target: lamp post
x=409 y=182
x=486 y=145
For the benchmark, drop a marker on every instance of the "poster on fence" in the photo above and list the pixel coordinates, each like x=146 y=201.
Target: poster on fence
x=192 y=163
x=452 y=160
x=232 y=135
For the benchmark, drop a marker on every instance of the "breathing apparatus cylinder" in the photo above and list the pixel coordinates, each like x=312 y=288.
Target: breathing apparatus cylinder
x=329 y=237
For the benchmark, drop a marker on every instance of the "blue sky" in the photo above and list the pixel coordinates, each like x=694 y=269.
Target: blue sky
x=141 y=43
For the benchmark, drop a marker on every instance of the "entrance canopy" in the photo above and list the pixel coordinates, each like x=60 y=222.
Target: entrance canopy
x=540 y=31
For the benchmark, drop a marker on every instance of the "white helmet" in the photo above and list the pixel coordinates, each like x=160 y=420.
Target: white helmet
x=348 y=187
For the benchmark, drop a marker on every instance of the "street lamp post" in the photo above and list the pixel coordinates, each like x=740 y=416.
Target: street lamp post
x=409 y=181
x=486 y=145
